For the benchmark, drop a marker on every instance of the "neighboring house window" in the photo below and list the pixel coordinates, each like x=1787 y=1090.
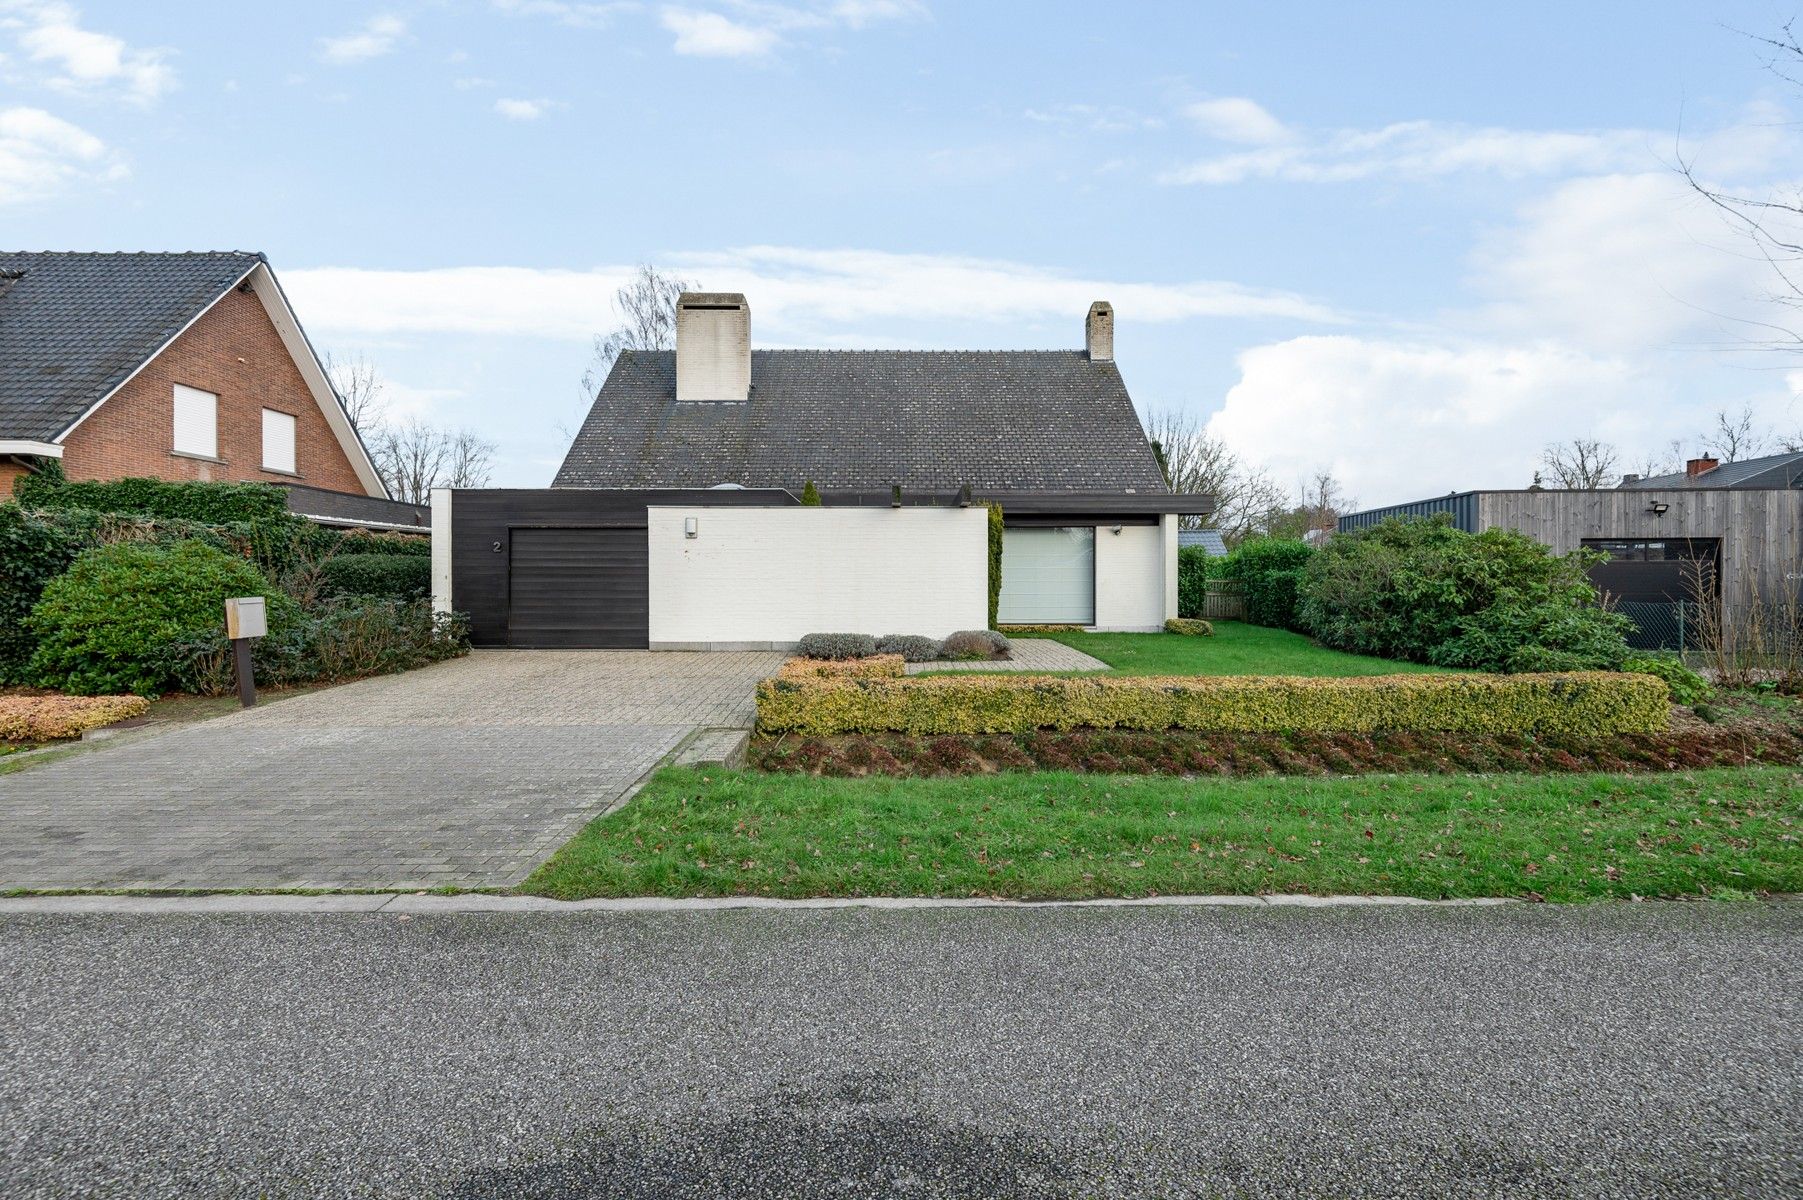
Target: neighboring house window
x=278 y=441
x=196 y=422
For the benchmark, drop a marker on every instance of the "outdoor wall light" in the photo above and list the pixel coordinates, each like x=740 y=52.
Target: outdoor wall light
x=690 y=527
x=1116 y=531
x=1657 y=508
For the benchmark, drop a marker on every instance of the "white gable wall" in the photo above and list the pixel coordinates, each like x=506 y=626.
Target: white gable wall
x=763 y=577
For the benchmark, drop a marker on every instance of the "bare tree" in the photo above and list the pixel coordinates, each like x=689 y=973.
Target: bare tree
x=1585 y=464
x=413 y=457
x=1734 y=435
x=647 y=304
x=359 y=390
x=1196 y=462
x=469 y=461
x=1323 y=500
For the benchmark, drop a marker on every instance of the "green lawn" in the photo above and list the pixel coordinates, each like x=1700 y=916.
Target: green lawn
x=1571 y=837
x=1235 y=649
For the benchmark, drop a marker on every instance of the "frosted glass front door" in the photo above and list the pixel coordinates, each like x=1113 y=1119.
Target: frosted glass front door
x=1048 y=577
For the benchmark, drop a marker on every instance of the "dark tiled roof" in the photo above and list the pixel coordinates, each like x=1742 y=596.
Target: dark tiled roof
x=1040 y=419
x=1208 y=539
x=73 y=326
x=1771 y=471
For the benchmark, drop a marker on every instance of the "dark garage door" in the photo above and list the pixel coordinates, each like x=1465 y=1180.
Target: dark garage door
x=577 y=588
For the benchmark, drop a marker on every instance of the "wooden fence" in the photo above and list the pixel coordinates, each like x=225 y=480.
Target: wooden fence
x=1222 y=601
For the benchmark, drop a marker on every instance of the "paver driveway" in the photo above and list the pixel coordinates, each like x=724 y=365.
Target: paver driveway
x=467 y=773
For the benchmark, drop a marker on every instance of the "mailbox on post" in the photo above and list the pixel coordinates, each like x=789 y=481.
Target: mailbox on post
x=246 y=617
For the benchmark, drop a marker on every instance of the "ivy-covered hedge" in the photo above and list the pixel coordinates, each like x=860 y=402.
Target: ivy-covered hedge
x=211 y=503
x=393 y=576
x=33 y=551
x=1591 y=703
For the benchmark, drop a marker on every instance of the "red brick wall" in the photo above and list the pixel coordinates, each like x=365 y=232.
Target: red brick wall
x=9 y=471
x=233 y=351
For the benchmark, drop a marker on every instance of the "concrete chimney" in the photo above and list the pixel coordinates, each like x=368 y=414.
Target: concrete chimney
x=1098 y=332
x=1698 y=466
x=713 y=346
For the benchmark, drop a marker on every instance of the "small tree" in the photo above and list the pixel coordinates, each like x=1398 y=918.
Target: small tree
x=810 y=495
x=995 y=563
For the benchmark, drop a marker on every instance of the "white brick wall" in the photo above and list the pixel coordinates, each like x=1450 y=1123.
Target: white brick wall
x=1130 y=576
x=764 y=576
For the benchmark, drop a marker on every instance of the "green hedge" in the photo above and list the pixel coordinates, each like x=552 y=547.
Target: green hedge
x=1270 y=572
x=212 y=503
x=393 y=576
x=1192 y=580
x=1588 y=703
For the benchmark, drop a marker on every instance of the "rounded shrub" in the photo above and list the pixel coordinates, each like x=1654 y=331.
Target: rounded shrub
x=974 y=644
x=114 y=622
x=1189 y=627
x=836 y=645
x=911 y=646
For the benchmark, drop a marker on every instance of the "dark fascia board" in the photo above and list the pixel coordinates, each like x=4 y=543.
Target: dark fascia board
x=1026 y=503
x=775 y=497
x=1558 y=492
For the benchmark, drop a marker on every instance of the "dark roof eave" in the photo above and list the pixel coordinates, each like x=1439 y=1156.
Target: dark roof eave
x=1029 y=503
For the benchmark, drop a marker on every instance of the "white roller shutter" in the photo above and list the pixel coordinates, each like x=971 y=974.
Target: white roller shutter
x=196 y=422
x=1048 y=577
x=278 y=441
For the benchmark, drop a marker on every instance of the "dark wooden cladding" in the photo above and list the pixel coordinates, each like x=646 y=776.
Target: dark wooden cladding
x=575 y=544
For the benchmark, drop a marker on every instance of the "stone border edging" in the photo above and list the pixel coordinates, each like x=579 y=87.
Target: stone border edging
x=411 y=903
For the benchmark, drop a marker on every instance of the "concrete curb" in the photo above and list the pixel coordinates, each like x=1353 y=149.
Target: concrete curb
x=412 y=903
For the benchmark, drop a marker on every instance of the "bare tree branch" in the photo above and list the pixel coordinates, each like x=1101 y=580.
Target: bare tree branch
x=647 y=305
x=1734 y=436
x=1582 y=463
x=359 y=390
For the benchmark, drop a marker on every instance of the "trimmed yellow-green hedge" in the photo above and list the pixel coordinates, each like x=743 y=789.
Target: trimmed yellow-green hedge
x=876 y=666
x=1585 y=702
x=52 y=718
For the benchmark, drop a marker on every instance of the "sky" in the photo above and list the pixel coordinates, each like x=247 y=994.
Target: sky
x=1410 y=243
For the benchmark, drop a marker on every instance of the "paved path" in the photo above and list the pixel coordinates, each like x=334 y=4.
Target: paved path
x=1522 y=1051
x=467 y=773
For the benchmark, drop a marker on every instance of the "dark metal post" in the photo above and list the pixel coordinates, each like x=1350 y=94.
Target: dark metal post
x=247 y=684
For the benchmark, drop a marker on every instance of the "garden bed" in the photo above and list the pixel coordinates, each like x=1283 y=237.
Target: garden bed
x=1178 y=752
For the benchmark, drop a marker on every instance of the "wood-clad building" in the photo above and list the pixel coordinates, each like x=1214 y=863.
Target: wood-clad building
x=1751 y=538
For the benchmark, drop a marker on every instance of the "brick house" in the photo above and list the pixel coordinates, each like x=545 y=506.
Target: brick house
x=176 y=366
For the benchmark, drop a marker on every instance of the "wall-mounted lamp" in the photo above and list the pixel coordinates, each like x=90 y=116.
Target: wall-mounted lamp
x=1657 y=508
x=690 y=527
x=1116 y=531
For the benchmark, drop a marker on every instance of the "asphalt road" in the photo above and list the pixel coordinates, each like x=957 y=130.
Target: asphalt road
x=1648 y=1050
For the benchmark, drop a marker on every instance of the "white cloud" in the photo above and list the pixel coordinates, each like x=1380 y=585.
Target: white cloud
x=1412 y=150
x=50 y=32
x=42 y=155
x=569 y=12
x=1401 y=420
x=757 y=28
x=378 y=36
x=798 y=296
x=1103 y=118
x=710 y=35
x=1237 y=119
x=522 y=110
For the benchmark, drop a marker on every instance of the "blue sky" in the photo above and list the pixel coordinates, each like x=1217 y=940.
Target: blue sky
x=1408 y=242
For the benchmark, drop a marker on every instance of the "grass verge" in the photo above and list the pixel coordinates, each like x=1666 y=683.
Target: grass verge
x=708 y=832
x=1235 y=649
